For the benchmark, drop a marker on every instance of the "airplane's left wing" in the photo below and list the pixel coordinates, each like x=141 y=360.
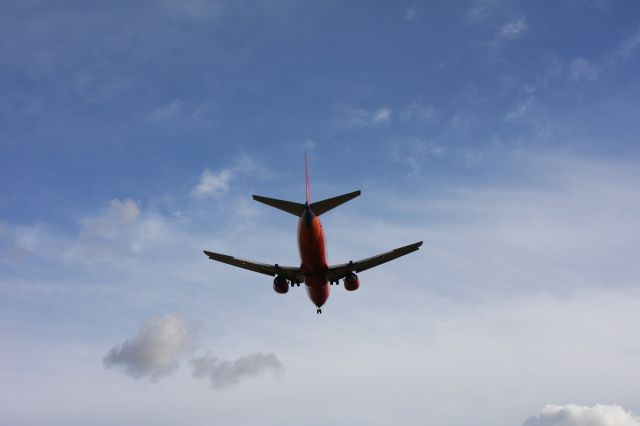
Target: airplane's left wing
x=337 y=272
x=291 y=273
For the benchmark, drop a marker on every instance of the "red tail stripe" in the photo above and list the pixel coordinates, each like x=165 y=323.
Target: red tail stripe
x=306 y=174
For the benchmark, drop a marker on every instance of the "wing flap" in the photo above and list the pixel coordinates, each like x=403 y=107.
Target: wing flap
x=340 y=271
x=289 y=272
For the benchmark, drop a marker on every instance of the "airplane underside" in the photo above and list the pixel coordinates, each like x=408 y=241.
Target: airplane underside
x=314 y=270
x=318 y=295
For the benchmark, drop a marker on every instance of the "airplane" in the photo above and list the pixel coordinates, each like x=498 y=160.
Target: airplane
x=314 y=269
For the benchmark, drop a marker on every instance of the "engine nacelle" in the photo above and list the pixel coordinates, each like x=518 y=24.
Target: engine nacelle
x=280 y=284
x=351 y=281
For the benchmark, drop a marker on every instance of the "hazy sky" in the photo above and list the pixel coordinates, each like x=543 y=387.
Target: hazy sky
x=502 y=133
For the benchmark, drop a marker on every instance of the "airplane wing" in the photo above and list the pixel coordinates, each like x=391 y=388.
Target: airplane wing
x=337 y=272
x=292 y=273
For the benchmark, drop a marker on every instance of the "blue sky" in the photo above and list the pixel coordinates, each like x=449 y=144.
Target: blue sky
x=502 y=133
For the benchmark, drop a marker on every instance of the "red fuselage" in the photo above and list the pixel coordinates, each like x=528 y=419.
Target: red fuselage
x=313 y=255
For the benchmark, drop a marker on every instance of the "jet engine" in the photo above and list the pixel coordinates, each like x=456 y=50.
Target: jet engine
x=351 y=281
x=280 y=284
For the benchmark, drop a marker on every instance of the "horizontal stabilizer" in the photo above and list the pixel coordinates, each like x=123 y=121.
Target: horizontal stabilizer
x=320 y=207
x=295 y=209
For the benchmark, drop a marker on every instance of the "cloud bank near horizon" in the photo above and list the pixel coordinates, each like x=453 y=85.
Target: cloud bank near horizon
x=578 y=415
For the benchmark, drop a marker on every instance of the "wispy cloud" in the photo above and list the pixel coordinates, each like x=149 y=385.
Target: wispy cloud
x=167 y=111
x=224 y=373
x=116 y=241
x=213 y=183
x=309 y=144
x=122 y=236
x=363 y=117
x=120 y=213
x=217 y=183
x=185 y=113
x=480 y=9
x=526 y=280
x=510 y=266
x=582 y=69
x=415 y=153
x=519 y=110
x=98 y=88
x=459 y=123
x=512 y=30
x=411 y=13
x=629 y=45
x=421 y=113
x=578 y=415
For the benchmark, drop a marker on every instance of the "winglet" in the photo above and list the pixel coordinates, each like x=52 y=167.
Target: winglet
x=306 y=175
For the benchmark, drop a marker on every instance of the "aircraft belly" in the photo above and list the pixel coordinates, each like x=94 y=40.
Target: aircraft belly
x=314 y=266
x=318 y=294
x=312 y=249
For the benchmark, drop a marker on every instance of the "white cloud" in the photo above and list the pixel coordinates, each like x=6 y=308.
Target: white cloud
x=115 y=239
x=519 y=110
x=459 y=123
x=411 y=13
x=416 y=153
x=363 y=117
x=623 y=51
x=98 y=88
x=4 y=230
x=515 y=278
x=481 y=9
x=123 y=238
x=213 y=183
x=169 y=111
x=513 y=29
x=154 y=351
x=127 y=210
x=223 y=373
x=421 y=113
x=309 y=144
x=577 y=415
x=184 y=113
x=121 y=214
x=628 y=46
x=217 y=183
x=580 y=68
x=553 y=71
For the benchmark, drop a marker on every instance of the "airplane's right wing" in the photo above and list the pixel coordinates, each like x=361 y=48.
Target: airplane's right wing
x=338 y=272
x=291 y=273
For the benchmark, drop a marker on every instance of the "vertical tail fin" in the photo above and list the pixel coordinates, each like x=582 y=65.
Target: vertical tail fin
x=306 y=175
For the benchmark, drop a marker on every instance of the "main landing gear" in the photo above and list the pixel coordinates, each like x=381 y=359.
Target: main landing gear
x=319 y=311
